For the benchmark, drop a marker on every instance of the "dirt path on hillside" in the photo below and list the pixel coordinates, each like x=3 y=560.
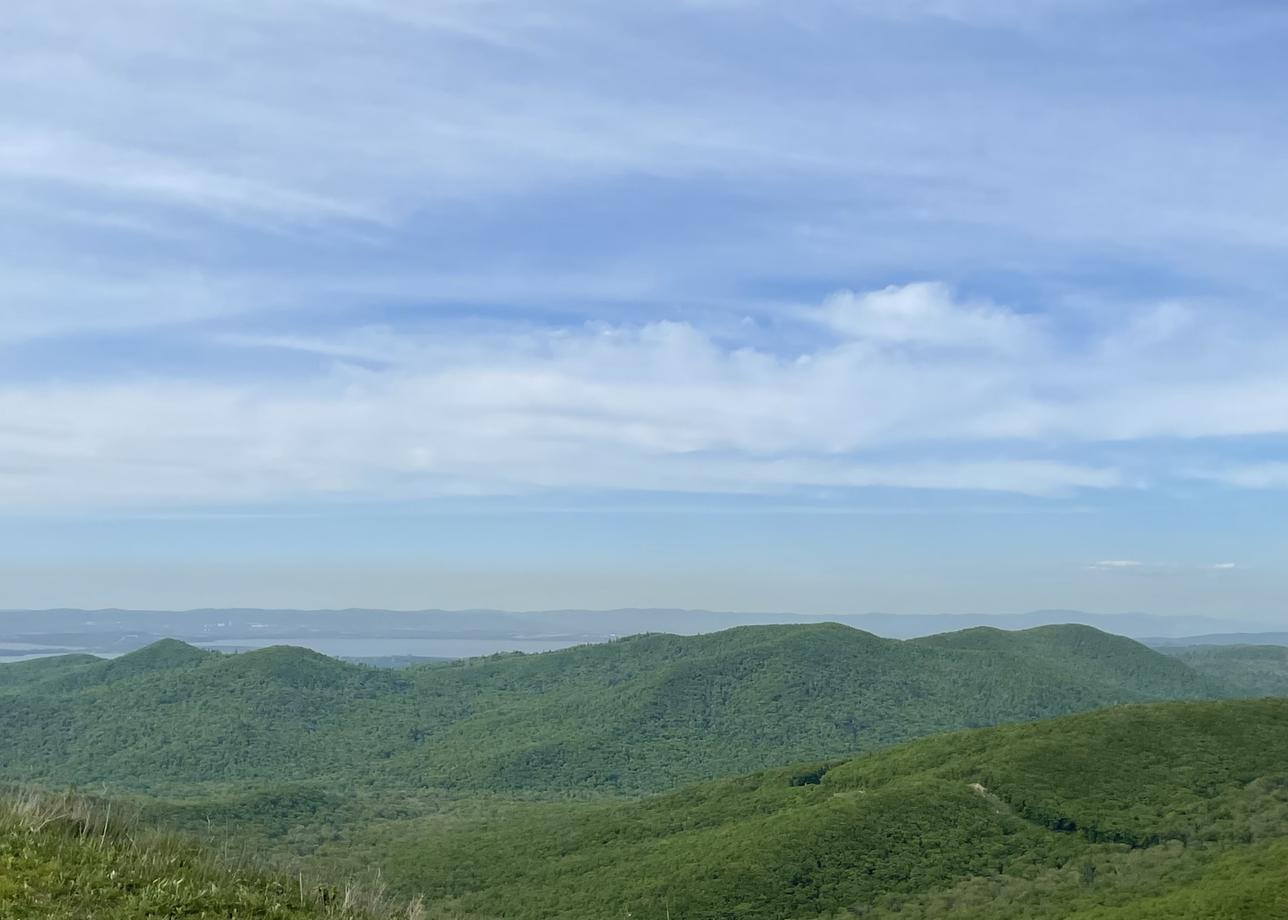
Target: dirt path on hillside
x=1000 y=806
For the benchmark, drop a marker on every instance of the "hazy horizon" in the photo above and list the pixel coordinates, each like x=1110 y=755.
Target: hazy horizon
x=222 y=625
x=520 y=611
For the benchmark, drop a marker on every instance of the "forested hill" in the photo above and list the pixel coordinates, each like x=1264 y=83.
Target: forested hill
x=641 y=714
x=1175 y=811
x=1251 y=670
x=1074 y=652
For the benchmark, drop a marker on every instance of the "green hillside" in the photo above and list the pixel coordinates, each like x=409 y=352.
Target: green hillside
x=642 y=714
x=1072 y=653
x=18 y=674
x=62 y=858
x=1251 y=670
x=652 y=712
x=1170 y=810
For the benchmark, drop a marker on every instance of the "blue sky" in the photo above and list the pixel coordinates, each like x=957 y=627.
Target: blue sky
x=923 y=306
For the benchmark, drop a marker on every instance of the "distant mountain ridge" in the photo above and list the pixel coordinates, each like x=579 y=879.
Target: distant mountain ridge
x=637 y=715
x=1245 y=638
x=117 y=631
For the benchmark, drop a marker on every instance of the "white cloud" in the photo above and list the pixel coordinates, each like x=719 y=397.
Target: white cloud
x=923 y=390
x=928 y=314
x=469 y=431
x=148 y=177
x=134 y=134
x=660 y=406
x=984 y=12
x=1250 y=476
x=1135 y=567
x=242 y=121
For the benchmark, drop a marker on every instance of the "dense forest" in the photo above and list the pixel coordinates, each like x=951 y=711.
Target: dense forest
x=643 y=714
x=1093 y=812
x=1250 y=670
x=1174 y=810
x=562 y=784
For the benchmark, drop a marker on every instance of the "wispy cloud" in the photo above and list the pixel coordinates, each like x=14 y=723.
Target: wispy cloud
x=643 y=252
x=139 y=176
x=1136 y=567
x=1273 y=475
x=657 y=407
x=917 y=161
x=662 y=406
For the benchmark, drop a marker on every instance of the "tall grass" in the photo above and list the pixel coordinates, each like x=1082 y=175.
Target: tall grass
x=68 y=849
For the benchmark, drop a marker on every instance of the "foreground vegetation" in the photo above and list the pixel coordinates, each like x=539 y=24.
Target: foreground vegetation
x=640 y=715
x=66 y=858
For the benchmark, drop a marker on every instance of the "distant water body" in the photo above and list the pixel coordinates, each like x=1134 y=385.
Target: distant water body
x=25 y=651
x=381 y=648
x=337 y=648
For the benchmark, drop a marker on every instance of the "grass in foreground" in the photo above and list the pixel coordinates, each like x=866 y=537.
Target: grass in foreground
x=67 y=858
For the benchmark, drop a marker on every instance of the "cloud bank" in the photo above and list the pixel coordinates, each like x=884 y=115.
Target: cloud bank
x=902 y=387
